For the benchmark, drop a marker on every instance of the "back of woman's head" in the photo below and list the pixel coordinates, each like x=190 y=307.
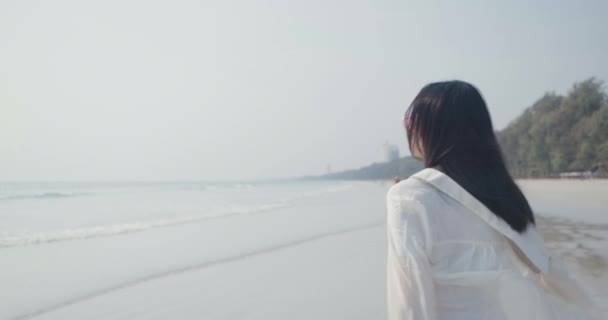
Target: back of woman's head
x=450 y=123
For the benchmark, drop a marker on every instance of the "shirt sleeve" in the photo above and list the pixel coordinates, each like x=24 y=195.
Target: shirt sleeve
x=410 y=288
x=559 y=280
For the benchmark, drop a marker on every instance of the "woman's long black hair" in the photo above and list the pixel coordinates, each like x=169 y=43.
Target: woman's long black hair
x=449 y=121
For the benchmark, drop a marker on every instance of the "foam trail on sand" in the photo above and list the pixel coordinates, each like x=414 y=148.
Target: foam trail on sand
x=196 y=267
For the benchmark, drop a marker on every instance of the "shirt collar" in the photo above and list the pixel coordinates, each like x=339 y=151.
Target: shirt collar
x=529 y=242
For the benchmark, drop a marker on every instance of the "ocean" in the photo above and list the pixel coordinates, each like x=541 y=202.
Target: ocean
x=301 y=249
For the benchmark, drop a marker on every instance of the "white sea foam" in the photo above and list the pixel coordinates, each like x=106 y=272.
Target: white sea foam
x=7 y=240
x=43 y=195
x=74 y=226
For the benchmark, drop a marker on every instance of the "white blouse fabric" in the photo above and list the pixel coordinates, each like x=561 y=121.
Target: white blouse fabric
x=450 y=257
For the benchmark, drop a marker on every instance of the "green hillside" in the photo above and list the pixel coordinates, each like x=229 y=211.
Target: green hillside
x=560 y=133
x=556 y=134
x=402 y=167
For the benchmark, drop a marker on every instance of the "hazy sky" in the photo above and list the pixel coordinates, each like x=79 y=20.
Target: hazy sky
x=156 y=90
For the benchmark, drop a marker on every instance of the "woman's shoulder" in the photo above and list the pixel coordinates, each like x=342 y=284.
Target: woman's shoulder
x=409 y=205
x=412 y=189
x=413 y=198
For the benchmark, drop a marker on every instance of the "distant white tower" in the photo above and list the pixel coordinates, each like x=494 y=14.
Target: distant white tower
x=391 y=152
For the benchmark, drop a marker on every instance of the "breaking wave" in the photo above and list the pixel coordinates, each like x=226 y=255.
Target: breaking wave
x=124 y=228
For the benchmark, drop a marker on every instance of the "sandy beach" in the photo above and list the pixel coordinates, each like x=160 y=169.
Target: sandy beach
x=319 y=255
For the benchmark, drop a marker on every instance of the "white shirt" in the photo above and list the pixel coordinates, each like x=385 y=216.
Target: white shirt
x=450 y=257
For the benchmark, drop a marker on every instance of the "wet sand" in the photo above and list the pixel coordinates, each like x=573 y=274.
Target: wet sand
x=584 y=248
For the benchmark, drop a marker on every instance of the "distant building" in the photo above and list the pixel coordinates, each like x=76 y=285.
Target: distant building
x=391 y=152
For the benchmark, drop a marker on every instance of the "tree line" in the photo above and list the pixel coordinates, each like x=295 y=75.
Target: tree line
x=560 y=133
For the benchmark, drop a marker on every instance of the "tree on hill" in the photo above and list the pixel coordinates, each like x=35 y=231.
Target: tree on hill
x=559 y=134
x=403 y=168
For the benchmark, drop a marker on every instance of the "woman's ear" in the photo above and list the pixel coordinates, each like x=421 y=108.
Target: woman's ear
x=417 y=151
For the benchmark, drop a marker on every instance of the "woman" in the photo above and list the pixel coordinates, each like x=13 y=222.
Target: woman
x=462 y=238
